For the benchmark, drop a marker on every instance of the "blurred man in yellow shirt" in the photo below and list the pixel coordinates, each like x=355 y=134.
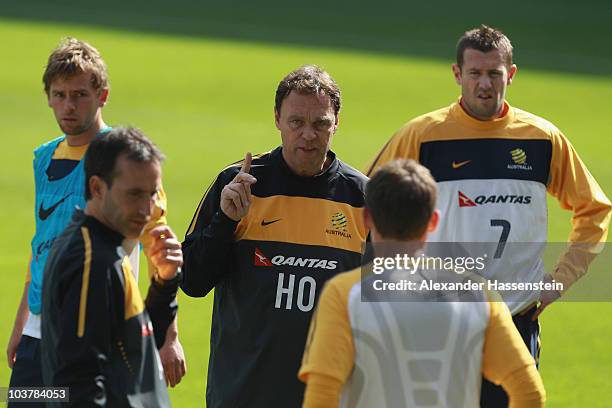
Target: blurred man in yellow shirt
x=364 y=353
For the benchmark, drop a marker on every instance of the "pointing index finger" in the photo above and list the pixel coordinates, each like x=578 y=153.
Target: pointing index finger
x=246 y=165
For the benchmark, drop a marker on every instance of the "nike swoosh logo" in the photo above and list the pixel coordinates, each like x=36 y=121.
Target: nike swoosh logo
x=457 y=165
x=44 y=213
x=264 y=222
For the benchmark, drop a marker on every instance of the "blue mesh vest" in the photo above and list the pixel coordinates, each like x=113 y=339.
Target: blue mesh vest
x=55 y=202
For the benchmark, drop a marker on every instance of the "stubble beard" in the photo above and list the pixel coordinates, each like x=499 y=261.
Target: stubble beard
x=485 y=112
x=79 y=130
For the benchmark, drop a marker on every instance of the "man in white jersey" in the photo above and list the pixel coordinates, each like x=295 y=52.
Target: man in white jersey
x=76 y=85
x=494 y=165
x=363 y=353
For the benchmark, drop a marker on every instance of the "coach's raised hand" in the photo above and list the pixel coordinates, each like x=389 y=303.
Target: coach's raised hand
x=236 y=196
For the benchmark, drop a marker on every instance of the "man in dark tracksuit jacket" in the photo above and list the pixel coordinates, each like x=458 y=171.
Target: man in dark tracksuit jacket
x=267 y=236
x=98 y=336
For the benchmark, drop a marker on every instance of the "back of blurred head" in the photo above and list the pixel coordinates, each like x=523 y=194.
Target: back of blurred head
x=400 y=203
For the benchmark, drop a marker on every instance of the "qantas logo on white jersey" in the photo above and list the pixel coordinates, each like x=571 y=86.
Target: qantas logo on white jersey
x=465 y=201
x=261 y=260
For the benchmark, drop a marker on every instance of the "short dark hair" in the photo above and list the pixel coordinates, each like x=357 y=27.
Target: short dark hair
x=484 y=39
x=401 y=197
x=308 y=79
x=103 y=152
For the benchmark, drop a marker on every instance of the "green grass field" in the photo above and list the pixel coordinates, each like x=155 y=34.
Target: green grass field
x=205 y=95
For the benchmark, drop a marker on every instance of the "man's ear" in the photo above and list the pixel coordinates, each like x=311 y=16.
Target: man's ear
x=433 y=221
x=103 y=97
x=511 y=73
x=97 y=187
x=457 y=73
x=277 y=118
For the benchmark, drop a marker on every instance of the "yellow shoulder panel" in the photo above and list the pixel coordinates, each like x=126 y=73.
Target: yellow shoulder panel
x=329 y=346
